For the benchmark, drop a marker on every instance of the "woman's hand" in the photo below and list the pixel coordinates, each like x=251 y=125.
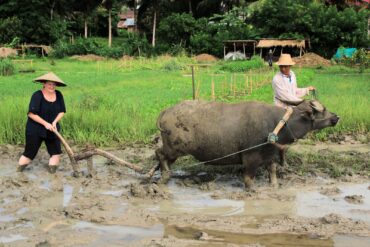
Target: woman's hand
x=54 y=125
x=49 y=126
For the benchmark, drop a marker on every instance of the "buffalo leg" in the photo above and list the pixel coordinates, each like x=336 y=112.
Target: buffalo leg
x=272 y=174
x=249 y=175
x=282 y=153
x=164 y=164
x=251 y=162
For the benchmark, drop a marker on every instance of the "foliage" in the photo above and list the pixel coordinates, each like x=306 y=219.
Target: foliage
x=13 y=43
x=79 y=47
x=326 y=27
x=176 y=29
x=6 y=67
x=243 y=66
x=361 y=58
x=172 y=65
x=9 y=29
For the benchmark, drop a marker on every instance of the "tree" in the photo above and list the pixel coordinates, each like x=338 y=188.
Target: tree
x=86 y=7
x=108 y=4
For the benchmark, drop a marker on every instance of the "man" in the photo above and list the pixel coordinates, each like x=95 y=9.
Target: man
x=269 y=56
x=285 y=84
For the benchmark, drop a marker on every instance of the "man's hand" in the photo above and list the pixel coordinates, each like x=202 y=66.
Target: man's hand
x=49 y=127
x=311 y=88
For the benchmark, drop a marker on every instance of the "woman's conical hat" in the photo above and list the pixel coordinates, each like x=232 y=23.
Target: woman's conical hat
x=50 y=77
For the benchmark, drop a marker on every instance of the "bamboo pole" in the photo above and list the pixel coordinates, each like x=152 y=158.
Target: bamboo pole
x=213 y=90
x=231 y=85
x=198 y=89
x=251 y=83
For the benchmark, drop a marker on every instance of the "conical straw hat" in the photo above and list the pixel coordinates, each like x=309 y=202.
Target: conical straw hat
x=285 y=59
x=50 y=77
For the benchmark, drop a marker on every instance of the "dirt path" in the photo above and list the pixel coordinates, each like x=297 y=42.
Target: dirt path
x=118 y=208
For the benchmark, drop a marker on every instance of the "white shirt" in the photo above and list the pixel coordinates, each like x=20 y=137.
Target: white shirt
x=285 y=88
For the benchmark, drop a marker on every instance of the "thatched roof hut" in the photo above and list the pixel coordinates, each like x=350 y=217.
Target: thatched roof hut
x=292 y=43
x=268 y=43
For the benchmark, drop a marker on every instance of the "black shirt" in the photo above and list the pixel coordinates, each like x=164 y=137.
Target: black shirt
x=47 y=111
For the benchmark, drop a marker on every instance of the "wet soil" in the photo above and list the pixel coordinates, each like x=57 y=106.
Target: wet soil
x=200 y=206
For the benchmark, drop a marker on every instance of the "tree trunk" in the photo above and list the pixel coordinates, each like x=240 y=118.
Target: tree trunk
x=190 y=8
x=154 y=25
x=135 y=15
x=110 y=28
x=52 y=10
x=85 y=27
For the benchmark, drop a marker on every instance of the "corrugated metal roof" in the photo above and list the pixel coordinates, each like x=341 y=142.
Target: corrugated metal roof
x=129 y=22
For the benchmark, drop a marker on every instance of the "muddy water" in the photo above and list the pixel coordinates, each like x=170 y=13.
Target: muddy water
x=39 y=208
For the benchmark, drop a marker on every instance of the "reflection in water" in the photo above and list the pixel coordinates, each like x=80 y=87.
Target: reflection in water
x=67 y=194
x=115 y=234
x=11 y=238
x=314 y=204
x=269 y=240
x=6 y=218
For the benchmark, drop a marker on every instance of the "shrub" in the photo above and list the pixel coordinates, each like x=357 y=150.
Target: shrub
x=6 y=67
x=243 y=66
x=360 y=57
x=172 y=65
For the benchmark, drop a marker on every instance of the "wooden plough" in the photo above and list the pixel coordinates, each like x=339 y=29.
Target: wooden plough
x=88 y=155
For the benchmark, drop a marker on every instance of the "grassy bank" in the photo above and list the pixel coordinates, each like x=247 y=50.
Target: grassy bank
x=116 y=102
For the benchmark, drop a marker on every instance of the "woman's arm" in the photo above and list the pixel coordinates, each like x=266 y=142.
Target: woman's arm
x=41 y=121
x=56 y=120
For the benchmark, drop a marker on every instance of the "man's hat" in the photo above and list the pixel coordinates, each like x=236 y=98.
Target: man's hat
x=285 y=59
x=50 y=77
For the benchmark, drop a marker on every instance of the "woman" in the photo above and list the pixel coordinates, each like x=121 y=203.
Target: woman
x=46 y=109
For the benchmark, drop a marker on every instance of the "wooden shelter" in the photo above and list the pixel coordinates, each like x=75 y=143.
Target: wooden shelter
x=273 y=43
x=44 y=49
x=247 y=47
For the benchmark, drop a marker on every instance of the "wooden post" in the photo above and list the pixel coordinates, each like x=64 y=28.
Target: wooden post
x=224 y=51
x=244 y=49
x=254 y=48
x=193 y=80
x=300 y=51
x=234 y=47
x=261 y=53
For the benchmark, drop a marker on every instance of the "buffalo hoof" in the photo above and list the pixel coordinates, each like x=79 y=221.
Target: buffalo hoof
x=274 y=185
x=165 y=177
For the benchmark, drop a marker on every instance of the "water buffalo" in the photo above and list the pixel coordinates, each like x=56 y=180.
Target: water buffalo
x=209 y=130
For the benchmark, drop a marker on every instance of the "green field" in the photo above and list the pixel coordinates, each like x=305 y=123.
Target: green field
x=117 y=102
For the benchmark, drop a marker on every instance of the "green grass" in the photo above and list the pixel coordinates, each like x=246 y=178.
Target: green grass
x=117 y=102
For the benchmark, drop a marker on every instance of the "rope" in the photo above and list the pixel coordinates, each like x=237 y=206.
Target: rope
x=314 y=95
x=241 y=151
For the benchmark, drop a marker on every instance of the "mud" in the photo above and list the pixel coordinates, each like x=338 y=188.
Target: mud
x=200 y=206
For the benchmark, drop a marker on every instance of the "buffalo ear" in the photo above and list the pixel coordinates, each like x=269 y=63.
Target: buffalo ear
x=308 y=115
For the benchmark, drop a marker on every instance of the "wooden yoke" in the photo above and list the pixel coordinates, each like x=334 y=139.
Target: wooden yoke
x=273 y=137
